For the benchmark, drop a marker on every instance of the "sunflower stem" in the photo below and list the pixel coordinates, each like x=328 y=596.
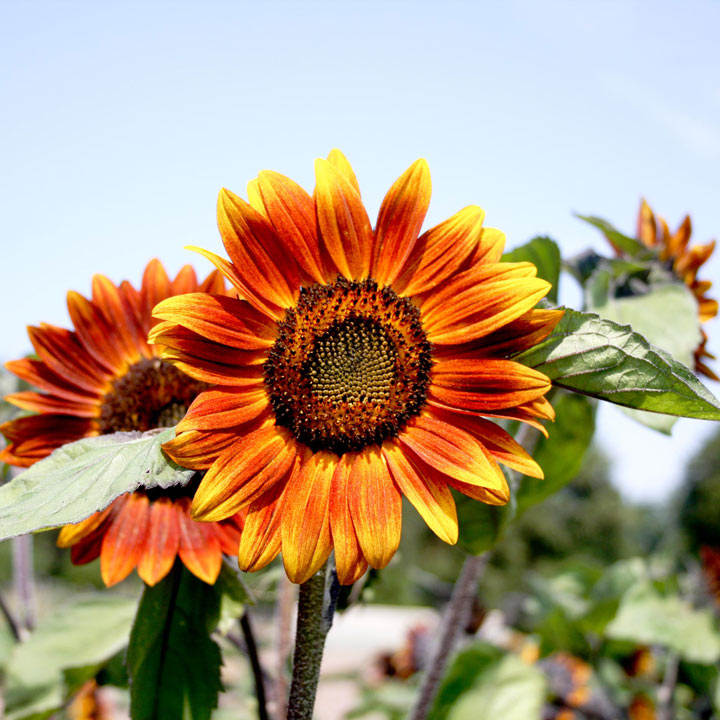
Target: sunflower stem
x=283 y=619
x=316 y=605
x=456 y=617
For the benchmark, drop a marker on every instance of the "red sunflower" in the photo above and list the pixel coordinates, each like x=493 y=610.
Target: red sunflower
x=685 y=261
x=103 y=377
x=359 y=365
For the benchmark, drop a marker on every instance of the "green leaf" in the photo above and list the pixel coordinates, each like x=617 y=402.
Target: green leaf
x=544 y=253
x=481 y=525
x=648 y=618
x=602 y=359
x=462 y=674
x=84 y=635
x=173 y=663
x=628 y=245
x=667 y=316
x=561 y=454
x=85 y=476
x=508 y=689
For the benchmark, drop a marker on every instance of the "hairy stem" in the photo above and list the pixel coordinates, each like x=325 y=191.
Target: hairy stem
x=456 y=617
x=315 y=609
x=252 y=653
x=283 y=644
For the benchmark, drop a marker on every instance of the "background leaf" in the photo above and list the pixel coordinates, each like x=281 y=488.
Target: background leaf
x=482 y=684
x=561 y=454
x=85 y=476
x=600 y=358
x=544 y=253
x=481 y=525
x=619 y=240
x=646 y=617
x=174 y=665
x=82 y=636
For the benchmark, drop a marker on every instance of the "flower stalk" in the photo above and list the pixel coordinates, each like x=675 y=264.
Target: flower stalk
x=316 y=604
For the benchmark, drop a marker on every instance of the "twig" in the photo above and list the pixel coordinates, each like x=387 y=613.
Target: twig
x=252 y=653
x=22 y=555
x=316 y=605
x=11 y=621
x=456 y=616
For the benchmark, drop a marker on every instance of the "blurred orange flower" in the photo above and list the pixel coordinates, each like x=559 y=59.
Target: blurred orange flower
x=103 y=377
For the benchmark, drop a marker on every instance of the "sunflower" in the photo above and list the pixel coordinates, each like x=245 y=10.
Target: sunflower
x=684 y=261
x=103 y=377
x=356 y=366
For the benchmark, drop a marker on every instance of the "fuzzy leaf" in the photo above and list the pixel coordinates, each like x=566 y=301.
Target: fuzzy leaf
x=602 y=359
x=544 y=253
x=83 y=635
x=667 y=316
x=82 y=477
x=173 y=663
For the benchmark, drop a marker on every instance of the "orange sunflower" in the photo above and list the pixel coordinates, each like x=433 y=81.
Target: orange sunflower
x=355 y=367
x=103 y=377
x=684 y=261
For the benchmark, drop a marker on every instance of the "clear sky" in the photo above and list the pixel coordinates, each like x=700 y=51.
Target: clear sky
x=120 y=122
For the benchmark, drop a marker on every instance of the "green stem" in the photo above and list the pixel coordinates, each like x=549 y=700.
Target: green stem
x=313 y=622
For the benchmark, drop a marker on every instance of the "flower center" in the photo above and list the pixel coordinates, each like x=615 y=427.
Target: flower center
x=151 y=394
x=350 y=366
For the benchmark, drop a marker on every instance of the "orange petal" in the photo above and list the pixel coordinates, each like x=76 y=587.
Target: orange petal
x=199 y=450
x=185 y=281
x=213 y=284
x=440 y=251
x=485 y=383
x=225 y=407
x=501 y=445
x=375 y=505
x=261 y=541
x=162 y=543
x=305 y=524
x=518 y=335
x=248 y=469
x=481 y=300
x=37 y=373
x=96 y=333
x=399 y=221
x=344 y=225
x=228 y=533
x=219 y=318
x=34 y=437
x=430 y=496
x=292 y=213
x=124 y=542
x=349 y=560
x=646 y=227
x=39 y=402
x=156 y=286
x=453 y=452
x=62 y=351
x=71 y=534
x=341 y=164
x=266 y=261
x=120 y=317
x=199 y=547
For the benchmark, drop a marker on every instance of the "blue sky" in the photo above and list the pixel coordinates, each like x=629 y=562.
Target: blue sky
x=121 y=121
